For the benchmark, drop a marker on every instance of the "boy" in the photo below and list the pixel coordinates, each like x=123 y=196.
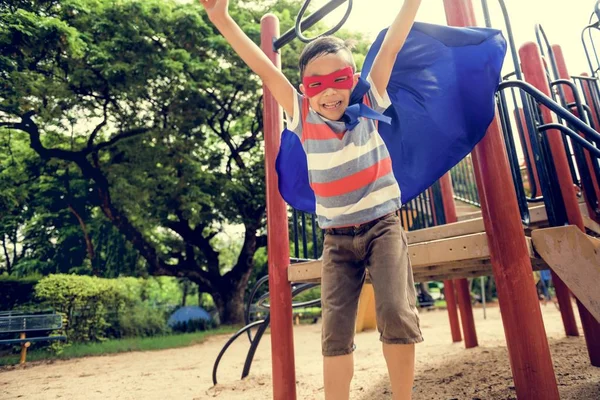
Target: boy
x=358 y=198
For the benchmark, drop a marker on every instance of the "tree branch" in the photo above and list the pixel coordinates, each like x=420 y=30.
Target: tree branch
x=117 y=138
x=101 y=125
x=196 y=238
x=132 y=234
x=249 y=142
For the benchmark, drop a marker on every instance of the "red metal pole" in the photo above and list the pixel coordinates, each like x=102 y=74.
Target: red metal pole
x=563 y=293
x=278 y=253
x=570 y=98
x=451 y=287
x=528 y=349
x=449 y=291
x=450 y=295
x=531 y=62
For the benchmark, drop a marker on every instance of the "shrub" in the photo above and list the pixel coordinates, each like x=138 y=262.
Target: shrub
x=96 y=309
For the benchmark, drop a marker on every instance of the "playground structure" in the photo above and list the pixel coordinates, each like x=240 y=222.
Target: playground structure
x=557 y=118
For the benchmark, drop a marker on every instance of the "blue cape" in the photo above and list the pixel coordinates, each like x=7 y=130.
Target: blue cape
x=442 y=91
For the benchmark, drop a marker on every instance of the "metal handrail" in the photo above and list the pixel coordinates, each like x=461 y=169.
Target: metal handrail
x=572 y=120
x=553 y=203
x=311 y=20
x=554 y=107
x=298 y=28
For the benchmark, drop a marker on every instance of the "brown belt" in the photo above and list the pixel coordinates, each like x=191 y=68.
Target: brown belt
x=357 y=229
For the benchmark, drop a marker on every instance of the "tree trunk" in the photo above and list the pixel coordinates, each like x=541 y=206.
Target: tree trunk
x=185 y=290
x=230 y=304
x=88 y=241
x=228 y=291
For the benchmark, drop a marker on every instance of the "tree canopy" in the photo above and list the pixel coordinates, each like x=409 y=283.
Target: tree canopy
x=131 y=137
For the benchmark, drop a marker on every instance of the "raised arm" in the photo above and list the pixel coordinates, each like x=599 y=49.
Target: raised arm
x=253 y=56
x=392 y=43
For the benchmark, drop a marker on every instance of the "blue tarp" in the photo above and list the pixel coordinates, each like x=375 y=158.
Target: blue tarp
x=186 y=314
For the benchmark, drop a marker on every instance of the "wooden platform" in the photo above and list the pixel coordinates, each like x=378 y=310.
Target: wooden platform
x=457 y=250
x=466 y=256
x=575 y=258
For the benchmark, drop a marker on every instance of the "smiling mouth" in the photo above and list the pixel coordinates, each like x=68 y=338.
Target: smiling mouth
x=332 y=105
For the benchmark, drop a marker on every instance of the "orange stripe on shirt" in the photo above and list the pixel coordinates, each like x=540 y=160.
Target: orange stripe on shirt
x=316 y=131
x=319 y=132
x=354 y=181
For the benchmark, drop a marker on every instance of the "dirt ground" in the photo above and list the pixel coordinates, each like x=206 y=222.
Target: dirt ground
x=444 y=370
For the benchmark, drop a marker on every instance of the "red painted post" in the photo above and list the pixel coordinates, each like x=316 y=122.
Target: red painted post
x=570 y=98
x=563 y=294
x=456 y=286
x=528 y=349
x=278 y=253
x=450 y=296
x=531 y=62
x=449 y=291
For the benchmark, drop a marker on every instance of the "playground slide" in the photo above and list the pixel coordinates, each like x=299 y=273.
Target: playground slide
x=575 y=258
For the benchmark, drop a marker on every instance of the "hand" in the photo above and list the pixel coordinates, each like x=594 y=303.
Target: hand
x=215 y=8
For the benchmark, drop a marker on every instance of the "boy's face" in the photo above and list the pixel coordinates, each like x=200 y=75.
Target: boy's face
x=331 y=102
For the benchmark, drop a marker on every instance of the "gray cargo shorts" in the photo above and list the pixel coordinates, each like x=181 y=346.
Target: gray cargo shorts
x=380 y=246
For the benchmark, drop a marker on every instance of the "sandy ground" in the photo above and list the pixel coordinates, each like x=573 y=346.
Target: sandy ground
x=444 y=370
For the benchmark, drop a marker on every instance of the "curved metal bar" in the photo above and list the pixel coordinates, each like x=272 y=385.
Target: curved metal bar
x=301 y=288
x=513 y=159
x=254 y=345
x=586 y=180
x=528 y=164
x=553 y=106
x=229 y=342
x=539 y=30
x=509 y=32
x=595 y=25
x=298 y=28
x=257 y=285
x=583 y=179
x=578 y=103
x=573 y=135
x=553 y=203
x=263 y=323
x=311 y=20
x=585 y=46
x=261 y=300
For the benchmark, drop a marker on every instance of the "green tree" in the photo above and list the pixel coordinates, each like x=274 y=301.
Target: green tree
x=160 y=118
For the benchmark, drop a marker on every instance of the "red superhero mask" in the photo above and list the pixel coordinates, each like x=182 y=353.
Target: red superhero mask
x=342 y=79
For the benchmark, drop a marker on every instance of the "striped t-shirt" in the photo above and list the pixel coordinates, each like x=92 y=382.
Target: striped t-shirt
x=350 y=172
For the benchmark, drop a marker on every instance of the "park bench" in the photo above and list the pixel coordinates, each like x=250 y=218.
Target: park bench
x=29 y=328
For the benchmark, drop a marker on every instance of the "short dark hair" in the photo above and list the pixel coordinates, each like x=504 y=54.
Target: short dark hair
x=322 y=46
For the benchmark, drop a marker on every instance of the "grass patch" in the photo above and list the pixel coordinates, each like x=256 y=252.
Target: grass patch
x=79 y=350
x=440 y=303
